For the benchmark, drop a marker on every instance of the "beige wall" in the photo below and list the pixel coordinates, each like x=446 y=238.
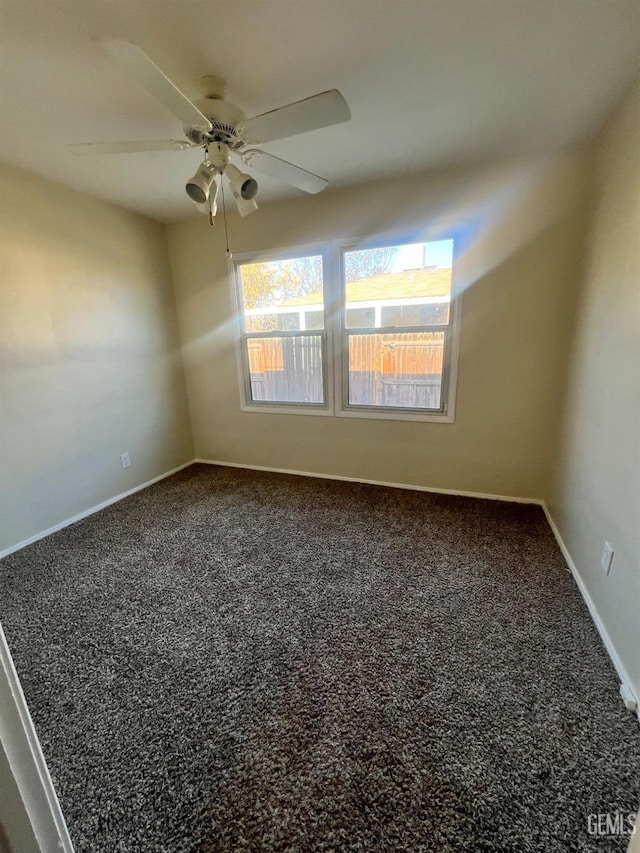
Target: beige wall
x=521 y=277
x=89 y=355
x=595 y=494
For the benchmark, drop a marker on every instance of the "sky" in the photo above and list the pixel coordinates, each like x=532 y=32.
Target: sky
x=438 y=253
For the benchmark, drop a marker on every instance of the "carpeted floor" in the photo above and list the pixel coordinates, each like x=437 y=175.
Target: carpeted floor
x=233 y=660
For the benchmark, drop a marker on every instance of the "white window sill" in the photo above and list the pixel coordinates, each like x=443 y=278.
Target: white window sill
x=395 y=415
x=286 y=409
x=370 y=414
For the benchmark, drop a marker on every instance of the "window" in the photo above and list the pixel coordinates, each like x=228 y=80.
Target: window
x=283 y=331
x=397 y=310
x=378 y=339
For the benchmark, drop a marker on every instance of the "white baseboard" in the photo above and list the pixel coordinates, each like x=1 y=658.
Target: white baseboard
x=623 y=675
x=68 y=521
x=409 y=486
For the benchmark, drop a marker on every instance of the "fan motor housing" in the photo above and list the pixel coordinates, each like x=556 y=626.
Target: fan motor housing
x=224 y=117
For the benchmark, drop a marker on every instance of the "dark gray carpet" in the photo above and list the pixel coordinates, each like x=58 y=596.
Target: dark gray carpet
x=234 y=660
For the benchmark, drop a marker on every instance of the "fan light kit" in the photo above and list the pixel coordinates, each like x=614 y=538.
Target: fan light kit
x=223 y=130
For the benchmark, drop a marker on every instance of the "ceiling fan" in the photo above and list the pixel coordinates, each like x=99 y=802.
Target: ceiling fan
x=222 y=129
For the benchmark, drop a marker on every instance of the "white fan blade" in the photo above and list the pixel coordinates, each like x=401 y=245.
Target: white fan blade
x=312 y=113
x=143 y=69
x=282 y=170
x=128 y=147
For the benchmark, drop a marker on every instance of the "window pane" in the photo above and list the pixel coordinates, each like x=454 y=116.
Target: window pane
x=415 y=315
x=283 y=321
x=361 y=318
x=406 y=285
x=286 y=370
x=290 y=322
x=314 y=319
x=396 y=370
x=277 y=295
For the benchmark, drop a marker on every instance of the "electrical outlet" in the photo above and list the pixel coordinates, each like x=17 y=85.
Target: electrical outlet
x=125 y=460
x=606 y=558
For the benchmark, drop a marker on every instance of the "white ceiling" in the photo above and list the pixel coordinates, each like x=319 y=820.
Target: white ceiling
x=430 y=83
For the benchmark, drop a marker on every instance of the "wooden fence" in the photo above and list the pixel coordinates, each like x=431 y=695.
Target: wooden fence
x=400 y=370
x=286 y=370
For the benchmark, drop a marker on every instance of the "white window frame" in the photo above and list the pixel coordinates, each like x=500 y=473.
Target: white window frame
x=247 y=404
x=446 y=413
x=335 y=354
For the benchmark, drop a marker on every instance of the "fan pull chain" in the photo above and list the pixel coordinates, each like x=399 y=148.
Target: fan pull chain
x=224 y=217
x=208 y=163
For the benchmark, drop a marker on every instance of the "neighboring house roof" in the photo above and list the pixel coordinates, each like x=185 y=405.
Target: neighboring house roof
x=410 y=284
